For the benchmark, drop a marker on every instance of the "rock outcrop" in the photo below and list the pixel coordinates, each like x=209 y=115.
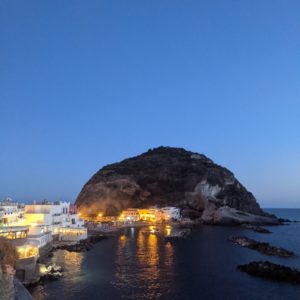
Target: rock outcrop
x=83 y=245
x=271 y=271
x=167 y=176
x=262 y=247
x=255 y=228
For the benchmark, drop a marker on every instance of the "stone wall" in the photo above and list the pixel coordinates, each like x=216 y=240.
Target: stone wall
x=7 y=291
x=27 y=269
x=45 y=250
x=21 y=293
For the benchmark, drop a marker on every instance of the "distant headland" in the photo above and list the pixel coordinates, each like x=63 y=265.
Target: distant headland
x=165 y=176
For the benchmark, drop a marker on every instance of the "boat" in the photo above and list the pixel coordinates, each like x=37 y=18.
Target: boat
x=151 y=230
x=178 y=234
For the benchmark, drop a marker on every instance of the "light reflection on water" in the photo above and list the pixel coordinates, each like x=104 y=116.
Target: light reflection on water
x=137 y=265
x=152 y=258
x=72 y=272
x=169 y=255
x=72 y=262
x=148 y=258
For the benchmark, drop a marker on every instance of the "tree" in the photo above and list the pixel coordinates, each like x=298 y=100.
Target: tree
x=8 y=254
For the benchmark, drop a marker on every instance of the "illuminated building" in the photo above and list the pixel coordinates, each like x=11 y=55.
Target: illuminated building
x=11 y=213
x=27 y=251
x=72 y=234
x=26 y=264
x=130 y=215
x=14 y=232
x=40 y=236
x=52 y=217
x=150 y=214
x=170 y=212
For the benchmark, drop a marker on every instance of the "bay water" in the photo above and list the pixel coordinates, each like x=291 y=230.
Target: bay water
x=134 y=265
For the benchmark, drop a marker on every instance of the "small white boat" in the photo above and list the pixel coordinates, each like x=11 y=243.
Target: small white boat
x=178 y=234
x=151 y=230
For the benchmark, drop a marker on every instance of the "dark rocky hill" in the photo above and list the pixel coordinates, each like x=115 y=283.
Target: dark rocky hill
x=167 y=176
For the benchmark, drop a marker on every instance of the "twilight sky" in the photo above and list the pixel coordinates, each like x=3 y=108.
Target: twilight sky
x=87 y=83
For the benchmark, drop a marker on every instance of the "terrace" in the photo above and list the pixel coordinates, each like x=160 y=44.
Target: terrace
x=14 y=232
x=27 y=251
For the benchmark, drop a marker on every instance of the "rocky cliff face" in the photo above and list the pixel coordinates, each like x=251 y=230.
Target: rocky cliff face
x=168 y=176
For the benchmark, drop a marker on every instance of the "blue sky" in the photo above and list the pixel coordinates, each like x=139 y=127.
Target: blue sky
x=87 y=83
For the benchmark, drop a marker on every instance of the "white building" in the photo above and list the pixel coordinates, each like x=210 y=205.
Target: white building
x=53 y=217
x=152 y=214
x=39 y=236
x=170 y=213
x=14 y=232
x=130 y=215
x=11 y=213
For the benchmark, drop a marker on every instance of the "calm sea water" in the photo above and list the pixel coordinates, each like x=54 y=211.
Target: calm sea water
x=203 y=266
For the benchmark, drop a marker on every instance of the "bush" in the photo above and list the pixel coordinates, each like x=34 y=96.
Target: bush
x=8 y=254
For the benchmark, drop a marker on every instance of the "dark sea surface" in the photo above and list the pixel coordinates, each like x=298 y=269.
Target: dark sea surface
x=134 y=265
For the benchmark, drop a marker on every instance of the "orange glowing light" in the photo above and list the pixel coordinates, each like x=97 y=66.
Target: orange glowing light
x=123 y=237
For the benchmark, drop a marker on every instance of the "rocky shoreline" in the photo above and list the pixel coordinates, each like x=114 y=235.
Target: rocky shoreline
x=262 y=247
x=54 y=272
x=83 y=245
x=271 y=271
x=50 y=273
x=255 y=228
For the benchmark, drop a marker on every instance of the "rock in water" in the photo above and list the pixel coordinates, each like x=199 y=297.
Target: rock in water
x=262 y=247
x=167 y=176
x=271 y=271
x=256 y=228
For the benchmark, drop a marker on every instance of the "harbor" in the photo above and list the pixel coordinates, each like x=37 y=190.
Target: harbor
x=38 y=230
x=137 y=265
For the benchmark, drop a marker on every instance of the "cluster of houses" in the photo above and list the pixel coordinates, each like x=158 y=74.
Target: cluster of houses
x=33 y=228
x=136 y=215
x=11 y=213
x=154 y=214
x=41 y=222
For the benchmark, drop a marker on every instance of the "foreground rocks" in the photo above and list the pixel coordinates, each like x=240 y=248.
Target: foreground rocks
x=282 y=221
x=257 y=229
x=167 y=176
x=271 y=271
x=83 y=245
x=46 y=274
x=262 y=247
x=230 y=216
x=52 y=272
